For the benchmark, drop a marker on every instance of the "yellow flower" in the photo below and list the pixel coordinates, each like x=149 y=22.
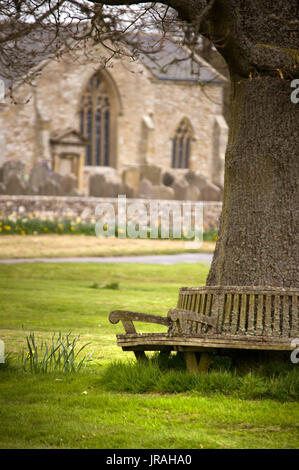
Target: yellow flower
x=0 y=229
x=60 y=226
x=22 y=232
x=7 y=227
x=45 y=229
x=78 y=220
x=72 y=228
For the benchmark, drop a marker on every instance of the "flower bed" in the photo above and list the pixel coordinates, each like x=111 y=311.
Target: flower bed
x=32 y=225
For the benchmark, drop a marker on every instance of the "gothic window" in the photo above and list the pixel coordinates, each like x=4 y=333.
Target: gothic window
x=95 y=121
x=181 y=145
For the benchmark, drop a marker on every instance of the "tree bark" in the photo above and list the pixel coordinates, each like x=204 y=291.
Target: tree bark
x=258 y=238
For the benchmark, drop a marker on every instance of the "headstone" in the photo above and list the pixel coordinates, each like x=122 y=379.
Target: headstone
x=126 y=188
x=192 y=193
x=75 y=193
x=196 y=178
x=39 y=174
x=68 y=184
x=50 y=188
x=97 y=185
x=10 y=167
x=180 y=190
x=31 y=190
x=15 y=185
x=131 y=176
x=153 y=173
x=57 y=177
x=190 y=177
x=145 y=189
x=112 y=188
x=168 y=179
x=2 y=188
x=163 y=192
x=210 y=192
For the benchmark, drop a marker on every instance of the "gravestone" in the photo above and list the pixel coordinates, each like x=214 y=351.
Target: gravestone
x=210 y=192
x=39 y=174
x=152 y=173
x=97 y=185
x=168 y=179
x=192 y=193
x=180 y=190
x=68 y=184
x=145 y=189
x=131 y=176
x=50 y=188
x=126 y=188
x=11 y=167
x=163 y=192
x=15 y=184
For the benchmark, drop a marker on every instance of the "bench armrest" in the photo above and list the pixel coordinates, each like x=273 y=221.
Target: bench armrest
x=128 y=317
x=182 y=316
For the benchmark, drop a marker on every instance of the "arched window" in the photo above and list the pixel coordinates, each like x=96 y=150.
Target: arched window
x=95 y=116
x=181 y=145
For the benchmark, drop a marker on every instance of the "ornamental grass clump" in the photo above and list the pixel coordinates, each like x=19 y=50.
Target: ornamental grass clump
x=60 y=355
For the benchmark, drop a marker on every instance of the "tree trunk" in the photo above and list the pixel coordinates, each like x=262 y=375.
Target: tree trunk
x=258 y=237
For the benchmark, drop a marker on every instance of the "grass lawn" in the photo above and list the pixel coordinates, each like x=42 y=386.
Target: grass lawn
x=78 y=410
x=55 y=246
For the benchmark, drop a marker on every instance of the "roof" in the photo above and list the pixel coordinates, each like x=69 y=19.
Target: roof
x=165 y=58
x=169 y=60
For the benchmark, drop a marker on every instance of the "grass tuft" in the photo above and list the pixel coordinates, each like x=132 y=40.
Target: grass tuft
x=109 y=285
x=60 y=355
x=154 y=376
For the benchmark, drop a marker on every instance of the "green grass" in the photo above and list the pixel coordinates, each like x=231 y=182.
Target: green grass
x=96 y=408
x=171 y=377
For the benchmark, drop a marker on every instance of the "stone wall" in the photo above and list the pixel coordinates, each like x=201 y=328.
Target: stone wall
x=84 y=207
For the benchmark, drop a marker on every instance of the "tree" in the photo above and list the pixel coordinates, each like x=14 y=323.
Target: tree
x=259 y=40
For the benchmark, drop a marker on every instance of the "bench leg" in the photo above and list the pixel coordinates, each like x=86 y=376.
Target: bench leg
x=197 y=367
x=140 y=356
x=191 y=361
x=204 y=362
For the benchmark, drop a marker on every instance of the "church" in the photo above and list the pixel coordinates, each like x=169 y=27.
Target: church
x=86 y=114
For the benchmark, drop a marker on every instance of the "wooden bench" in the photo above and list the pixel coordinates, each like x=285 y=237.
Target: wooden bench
x=209 y=319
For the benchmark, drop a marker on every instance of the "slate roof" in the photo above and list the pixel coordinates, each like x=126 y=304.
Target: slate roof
x=166 y=59
x=171 y=61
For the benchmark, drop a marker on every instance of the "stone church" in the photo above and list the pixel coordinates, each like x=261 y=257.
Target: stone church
x=84 y=118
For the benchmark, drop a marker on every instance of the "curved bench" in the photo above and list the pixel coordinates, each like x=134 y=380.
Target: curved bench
x=208 y=319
